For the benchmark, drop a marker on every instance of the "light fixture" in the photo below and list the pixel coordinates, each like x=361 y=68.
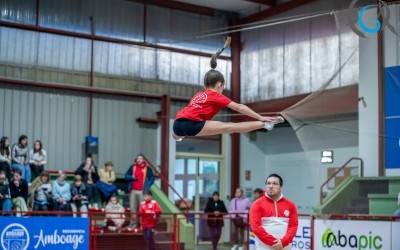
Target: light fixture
x=327 y=156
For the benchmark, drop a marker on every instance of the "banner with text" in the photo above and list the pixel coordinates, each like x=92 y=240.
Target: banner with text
x=340 y=234
x=302 y=240
x=395 y=235
x=44 y=233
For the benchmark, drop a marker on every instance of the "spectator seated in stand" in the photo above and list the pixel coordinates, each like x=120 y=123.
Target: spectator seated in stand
x=106 y=184
x=61 y=193
x=5 y=196
x=79 y=197
x=90 y=176
x=43 y=193
x=115 y=215
x=5 y=157
x=37 y=159
x=19 y=193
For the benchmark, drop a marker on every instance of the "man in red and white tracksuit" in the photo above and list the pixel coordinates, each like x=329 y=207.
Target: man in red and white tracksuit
x=273 y=218
x=149 y=211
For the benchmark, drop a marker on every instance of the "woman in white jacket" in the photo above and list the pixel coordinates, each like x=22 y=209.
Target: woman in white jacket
x=37 y=159
x=115 y=215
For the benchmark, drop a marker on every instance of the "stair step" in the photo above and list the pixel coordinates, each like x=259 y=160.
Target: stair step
x=162 y=226
x=356 y=210
x=359 y=201
x=163 y=236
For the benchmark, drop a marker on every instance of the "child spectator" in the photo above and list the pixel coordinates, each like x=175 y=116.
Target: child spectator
x=19 y=193
x=115 y=215
x=149 y=211
x=43 y=193
x=79 y=197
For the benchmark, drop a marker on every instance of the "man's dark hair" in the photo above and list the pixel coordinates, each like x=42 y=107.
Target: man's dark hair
x=21 y=138
x=277 y=176
x=147 y=192
x=258 y=190
x=17 y=171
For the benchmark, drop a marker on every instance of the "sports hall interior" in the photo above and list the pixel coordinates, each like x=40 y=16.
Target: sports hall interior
x=119 y=70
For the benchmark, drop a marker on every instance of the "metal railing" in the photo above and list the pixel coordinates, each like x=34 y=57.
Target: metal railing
x=162 y=177
x=321 y=190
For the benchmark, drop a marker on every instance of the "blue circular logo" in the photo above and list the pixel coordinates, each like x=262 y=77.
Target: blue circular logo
x=15 y=237
x=364 y=25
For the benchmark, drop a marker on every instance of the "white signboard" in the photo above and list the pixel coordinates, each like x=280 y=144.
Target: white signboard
x=340 y=234
x=396 y=235
x=302 y=240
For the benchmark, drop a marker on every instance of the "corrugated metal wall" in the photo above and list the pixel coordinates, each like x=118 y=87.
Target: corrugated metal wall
x=121 y=137
x=296 y=58
x=58 y=118
x=111 y=18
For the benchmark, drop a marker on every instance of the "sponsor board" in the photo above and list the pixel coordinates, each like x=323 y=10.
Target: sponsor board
x=302 y=240
x=44 y=233
x=395 y=235
x=340 y=234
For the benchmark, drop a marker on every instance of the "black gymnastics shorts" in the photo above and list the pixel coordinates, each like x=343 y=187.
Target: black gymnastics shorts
x=185 y=127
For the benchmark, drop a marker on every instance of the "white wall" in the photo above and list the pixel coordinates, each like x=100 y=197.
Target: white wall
x=280 y=151
x=252 y=157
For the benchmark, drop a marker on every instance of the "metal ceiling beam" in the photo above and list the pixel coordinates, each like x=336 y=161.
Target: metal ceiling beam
x=275 y=10
x=93 y=90
x=175 y=5
x=106 y=39
x=263 y=2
